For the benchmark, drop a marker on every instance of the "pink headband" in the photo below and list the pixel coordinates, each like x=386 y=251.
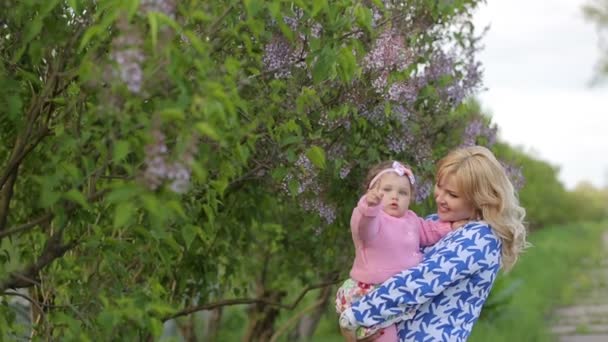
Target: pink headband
x=397 y=168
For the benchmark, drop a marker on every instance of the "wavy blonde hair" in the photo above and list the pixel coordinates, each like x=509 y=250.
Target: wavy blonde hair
x=482 y=181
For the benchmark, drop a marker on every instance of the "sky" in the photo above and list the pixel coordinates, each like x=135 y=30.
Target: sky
x=538 y=61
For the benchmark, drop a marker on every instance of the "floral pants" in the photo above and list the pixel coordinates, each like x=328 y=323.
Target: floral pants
x=351 y=291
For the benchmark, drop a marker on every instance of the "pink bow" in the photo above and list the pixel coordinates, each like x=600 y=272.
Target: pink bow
x=397 y=168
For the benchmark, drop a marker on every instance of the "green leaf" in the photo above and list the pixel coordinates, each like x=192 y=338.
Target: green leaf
x=89 y=34
x=325 y=67
x=316 y=156
x=74 y=5
x=123 y=193
x=206 y=129
x=77 y=197
x=123 y=214
x=189 y=233
x=153 y=21
x=121 y=149
x=172 y=114
x=253 y=7
x=317 y=6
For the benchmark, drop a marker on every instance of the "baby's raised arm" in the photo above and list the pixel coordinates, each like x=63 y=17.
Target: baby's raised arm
x=364 y=222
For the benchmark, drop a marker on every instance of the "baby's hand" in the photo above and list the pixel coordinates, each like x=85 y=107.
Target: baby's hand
x=373 y=197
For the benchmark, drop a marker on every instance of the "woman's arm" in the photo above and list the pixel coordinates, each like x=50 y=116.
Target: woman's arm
x=466 y=253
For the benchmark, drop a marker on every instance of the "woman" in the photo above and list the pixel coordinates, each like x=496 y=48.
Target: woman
x=448 y=288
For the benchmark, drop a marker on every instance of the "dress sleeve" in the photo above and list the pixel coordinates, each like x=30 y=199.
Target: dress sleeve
x=432 y=231
x=466 y=254
x=365 y=222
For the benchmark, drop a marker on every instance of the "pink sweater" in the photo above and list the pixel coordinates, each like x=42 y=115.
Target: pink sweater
x=386 y=245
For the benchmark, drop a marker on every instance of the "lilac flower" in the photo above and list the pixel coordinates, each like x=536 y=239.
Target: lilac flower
x=471 y=132
x=280 y=56
x=324 y=210
x=375 y=115
x=477 y=128
x=515 y=175
x=403 y=92
x=389 y=53
x=423 y=191
x=158 y=169
x=306 y=175
x=396 y=144
x=345 y=170
x=402 y=114
x=179 y=174
x=127 y=54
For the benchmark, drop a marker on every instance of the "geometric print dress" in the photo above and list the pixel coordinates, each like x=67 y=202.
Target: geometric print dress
x=446 y=290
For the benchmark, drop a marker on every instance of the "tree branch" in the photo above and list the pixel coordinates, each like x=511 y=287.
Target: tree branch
x=26 y=226
x=53 y=249
x=240 y=301
x=33 y=302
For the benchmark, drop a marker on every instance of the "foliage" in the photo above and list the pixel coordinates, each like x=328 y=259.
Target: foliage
x=163 y=155
x=545 y=198
x=597 y=12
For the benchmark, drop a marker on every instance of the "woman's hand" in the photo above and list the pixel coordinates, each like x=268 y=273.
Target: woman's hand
x=349 y=335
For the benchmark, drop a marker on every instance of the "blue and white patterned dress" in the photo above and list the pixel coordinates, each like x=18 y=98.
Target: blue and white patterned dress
x=447 y=289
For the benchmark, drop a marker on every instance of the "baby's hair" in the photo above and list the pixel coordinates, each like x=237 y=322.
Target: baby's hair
x=374 y=170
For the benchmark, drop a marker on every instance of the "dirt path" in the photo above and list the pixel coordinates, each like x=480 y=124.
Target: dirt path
x=588 y=320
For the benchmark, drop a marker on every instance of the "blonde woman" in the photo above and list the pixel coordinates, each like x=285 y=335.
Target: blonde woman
x=448 y=288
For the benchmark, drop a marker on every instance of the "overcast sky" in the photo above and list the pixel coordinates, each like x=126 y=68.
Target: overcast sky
x=538 y=62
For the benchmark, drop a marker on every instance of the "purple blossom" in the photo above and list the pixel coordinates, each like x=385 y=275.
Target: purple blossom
x=375 y=115
x=336 y=150
x=345 y=170
x=280 y=56
x=515 y=175
x=158 y=169
x=324 y=210
x=306 y=175
x=396 y=144
x=403 y=92
x=402 y=114
x=423 y=191
x=127 y=54
x=389 y=53
x=478 y=128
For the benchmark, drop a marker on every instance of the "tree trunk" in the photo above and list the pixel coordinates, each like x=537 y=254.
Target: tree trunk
x=262 y=317
x=308 y=323
x=213 y=325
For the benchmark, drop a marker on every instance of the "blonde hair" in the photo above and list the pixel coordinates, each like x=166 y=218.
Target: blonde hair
x=482 y=181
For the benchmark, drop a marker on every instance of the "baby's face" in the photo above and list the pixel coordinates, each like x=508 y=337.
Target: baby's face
x=397 y=193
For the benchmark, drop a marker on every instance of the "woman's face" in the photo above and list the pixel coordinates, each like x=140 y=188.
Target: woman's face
x=451 y=205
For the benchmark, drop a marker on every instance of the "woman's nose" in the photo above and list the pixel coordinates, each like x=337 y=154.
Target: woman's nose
x=439 y=198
